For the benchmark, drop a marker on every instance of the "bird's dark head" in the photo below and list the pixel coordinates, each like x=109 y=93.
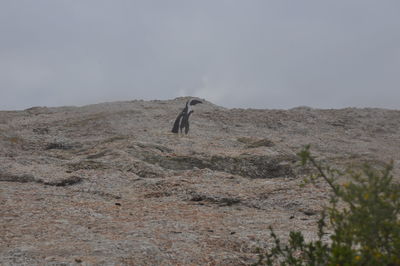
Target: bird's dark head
x=194 y=102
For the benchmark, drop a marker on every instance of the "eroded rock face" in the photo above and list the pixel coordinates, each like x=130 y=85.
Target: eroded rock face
x=246 y=165
x=109 y=184
x=255 y=166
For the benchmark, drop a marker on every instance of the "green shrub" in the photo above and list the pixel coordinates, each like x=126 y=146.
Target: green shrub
x=363 y=218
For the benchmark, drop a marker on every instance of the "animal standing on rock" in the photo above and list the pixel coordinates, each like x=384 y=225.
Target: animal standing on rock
x=182 y=121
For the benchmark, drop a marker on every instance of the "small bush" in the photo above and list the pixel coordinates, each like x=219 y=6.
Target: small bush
x=363 y=216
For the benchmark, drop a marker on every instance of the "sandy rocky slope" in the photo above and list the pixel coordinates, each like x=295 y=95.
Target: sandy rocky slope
x=108 y=184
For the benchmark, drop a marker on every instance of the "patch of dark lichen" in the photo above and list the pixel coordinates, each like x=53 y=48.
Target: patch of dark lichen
x=255 y=143
x=251 y=166
x=86 y=165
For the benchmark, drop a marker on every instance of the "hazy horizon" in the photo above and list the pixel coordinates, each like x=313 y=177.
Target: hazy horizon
x=237 y=54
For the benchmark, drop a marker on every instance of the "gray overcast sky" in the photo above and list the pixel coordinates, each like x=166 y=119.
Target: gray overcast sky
x=235 y=53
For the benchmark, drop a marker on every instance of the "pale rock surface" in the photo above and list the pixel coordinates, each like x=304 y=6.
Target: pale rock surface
x=108 y=184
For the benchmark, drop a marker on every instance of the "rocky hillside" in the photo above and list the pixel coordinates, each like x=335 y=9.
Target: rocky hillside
x=108 y=184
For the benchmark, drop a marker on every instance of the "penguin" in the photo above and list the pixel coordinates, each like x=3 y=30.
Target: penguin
x=182 y=121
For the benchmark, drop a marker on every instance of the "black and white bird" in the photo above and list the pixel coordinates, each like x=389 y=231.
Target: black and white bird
x=182 y=121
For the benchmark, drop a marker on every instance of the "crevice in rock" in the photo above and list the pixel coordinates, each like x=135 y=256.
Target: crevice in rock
x=58 y=146
x=97 y=155
x=157 y=194
x=69 y=181
x=87 y=165
x=220 y=201
x=252 y=166
x=158 y=147
x=27 y=178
